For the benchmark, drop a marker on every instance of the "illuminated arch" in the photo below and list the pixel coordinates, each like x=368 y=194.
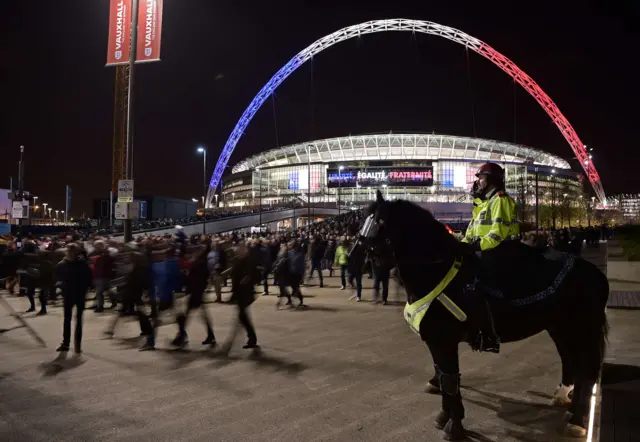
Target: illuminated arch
x=424 y=27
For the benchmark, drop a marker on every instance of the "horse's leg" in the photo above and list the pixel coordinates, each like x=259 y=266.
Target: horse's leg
x=586 y=378
x=561 y=394
x=445 y=357
x=590 y=341
x=433 y=386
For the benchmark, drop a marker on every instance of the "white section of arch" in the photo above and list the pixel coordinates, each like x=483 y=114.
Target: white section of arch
x=424 y=27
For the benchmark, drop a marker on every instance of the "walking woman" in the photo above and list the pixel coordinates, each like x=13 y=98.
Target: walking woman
x=197 y=282
x=242 y=280
x=74 y=275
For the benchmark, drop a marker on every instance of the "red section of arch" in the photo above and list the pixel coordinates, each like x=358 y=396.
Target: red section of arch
x=550 y=107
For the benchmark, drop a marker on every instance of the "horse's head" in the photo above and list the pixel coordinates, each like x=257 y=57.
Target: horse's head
x=406 y=230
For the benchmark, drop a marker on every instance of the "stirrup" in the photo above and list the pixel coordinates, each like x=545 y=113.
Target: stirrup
x=491 y=345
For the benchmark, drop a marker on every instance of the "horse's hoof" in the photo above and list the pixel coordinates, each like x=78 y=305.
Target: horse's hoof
x=561 y=402
x=454 y=431
x=562 y=396
x=575 y=430
x=432 y=388
x=441 y=420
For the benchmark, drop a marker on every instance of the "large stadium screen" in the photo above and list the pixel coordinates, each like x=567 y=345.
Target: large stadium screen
x=372 y=177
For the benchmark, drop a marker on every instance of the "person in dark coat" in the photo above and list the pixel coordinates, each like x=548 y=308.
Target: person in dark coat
x=197 y=282
x=266 y=264
x=316 y=255
x=74 y=274
x=243 y=291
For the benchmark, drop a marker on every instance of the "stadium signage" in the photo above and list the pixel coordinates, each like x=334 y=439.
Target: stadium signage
x=397 y=176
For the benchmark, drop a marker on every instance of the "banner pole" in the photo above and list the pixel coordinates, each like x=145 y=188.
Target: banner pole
x=128 y=225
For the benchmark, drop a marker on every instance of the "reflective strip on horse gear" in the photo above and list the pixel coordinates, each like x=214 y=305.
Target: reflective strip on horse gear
x=413 y=313
x=452 y=307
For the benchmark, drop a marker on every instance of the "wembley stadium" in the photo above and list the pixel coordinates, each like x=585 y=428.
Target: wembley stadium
x=435 y=170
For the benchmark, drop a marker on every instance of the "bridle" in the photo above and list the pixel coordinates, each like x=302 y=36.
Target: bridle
x=369 y=231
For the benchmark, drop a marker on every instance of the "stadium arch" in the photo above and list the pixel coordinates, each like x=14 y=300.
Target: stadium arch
x=423 y=27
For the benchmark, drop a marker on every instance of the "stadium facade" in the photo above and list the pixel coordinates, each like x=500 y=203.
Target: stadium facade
x=423 y=168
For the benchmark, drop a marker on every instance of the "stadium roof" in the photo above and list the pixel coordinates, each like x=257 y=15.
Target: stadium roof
x=400 y=147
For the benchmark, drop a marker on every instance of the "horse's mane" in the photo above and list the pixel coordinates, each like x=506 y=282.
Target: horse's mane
x=412 y=216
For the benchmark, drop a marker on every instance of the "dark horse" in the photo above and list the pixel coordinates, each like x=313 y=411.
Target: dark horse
x=572 y=310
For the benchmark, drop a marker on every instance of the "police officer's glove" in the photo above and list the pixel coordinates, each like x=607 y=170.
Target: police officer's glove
x=470 y=248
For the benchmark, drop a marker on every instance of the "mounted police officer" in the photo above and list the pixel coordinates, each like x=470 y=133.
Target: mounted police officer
x=493 y=232
x=494 y=213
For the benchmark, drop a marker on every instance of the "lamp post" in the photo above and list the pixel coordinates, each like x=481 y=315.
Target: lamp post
x=553 y=198
x=568 y=203
x=340 y=169
x=49 y=209
x=203 y=151
x=216 y=196
x=260 y=195
x=537 y=205
x=45 y=208
x=308 y=184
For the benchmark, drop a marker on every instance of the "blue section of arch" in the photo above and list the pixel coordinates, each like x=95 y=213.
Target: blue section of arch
x=246 y=118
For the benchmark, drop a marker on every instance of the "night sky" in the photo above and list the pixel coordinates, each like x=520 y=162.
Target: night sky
x=57 y=95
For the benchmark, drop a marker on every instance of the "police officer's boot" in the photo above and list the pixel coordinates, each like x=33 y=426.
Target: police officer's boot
x=487 y=339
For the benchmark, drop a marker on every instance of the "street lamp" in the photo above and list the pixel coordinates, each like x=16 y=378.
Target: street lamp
x=203 y=151
x=216 y=196
x=45 y=208
x=340 y=169
x=49 y=209
x=195 y=200
x=553 y=198
x=57 y=212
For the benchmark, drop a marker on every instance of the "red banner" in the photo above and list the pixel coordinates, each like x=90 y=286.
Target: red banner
x=119 y=32
x=149 y=30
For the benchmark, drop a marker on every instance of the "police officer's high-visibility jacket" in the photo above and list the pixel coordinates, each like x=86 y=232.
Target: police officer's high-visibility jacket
x=494 y=220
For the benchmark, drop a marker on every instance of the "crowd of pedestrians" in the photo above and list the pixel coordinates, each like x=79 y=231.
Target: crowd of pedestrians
x=144 y=277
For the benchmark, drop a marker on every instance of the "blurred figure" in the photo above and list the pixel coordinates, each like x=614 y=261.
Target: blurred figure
x=243 y=292
x=316 y=255
x=74 y=274
x=295 y=258
x=341 y=261
x=197 y=282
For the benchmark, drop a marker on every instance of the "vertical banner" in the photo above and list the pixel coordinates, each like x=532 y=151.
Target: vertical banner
x=149 y=30
x=119 y=32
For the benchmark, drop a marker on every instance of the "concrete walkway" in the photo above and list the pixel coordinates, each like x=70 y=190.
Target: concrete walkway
x=337 y=371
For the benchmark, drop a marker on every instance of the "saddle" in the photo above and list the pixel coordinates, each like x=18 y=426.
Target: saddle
x=519 y=274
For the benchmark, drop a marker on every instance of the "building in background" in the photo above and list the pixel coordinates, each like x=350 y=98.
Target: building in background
x=629 y=206
x=436 y=171
x=150 y=207
x=5 y=205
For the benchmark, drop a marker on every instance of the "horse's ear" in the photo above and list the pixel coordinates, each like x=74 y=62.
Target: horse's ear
x=379 y=197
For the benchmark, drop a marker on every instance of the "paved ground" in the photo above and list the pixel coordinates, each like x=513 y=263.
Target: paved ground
x=338 y=371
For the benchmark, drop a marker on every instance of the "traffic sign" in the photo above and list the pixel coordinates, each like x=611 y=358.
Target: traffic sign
x=126 y=210
x=17 y=210
x=125 y=191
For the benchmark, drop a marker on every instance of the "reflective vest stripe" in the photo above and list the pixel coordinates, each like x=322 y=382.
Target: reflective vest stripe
x=494 y=236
